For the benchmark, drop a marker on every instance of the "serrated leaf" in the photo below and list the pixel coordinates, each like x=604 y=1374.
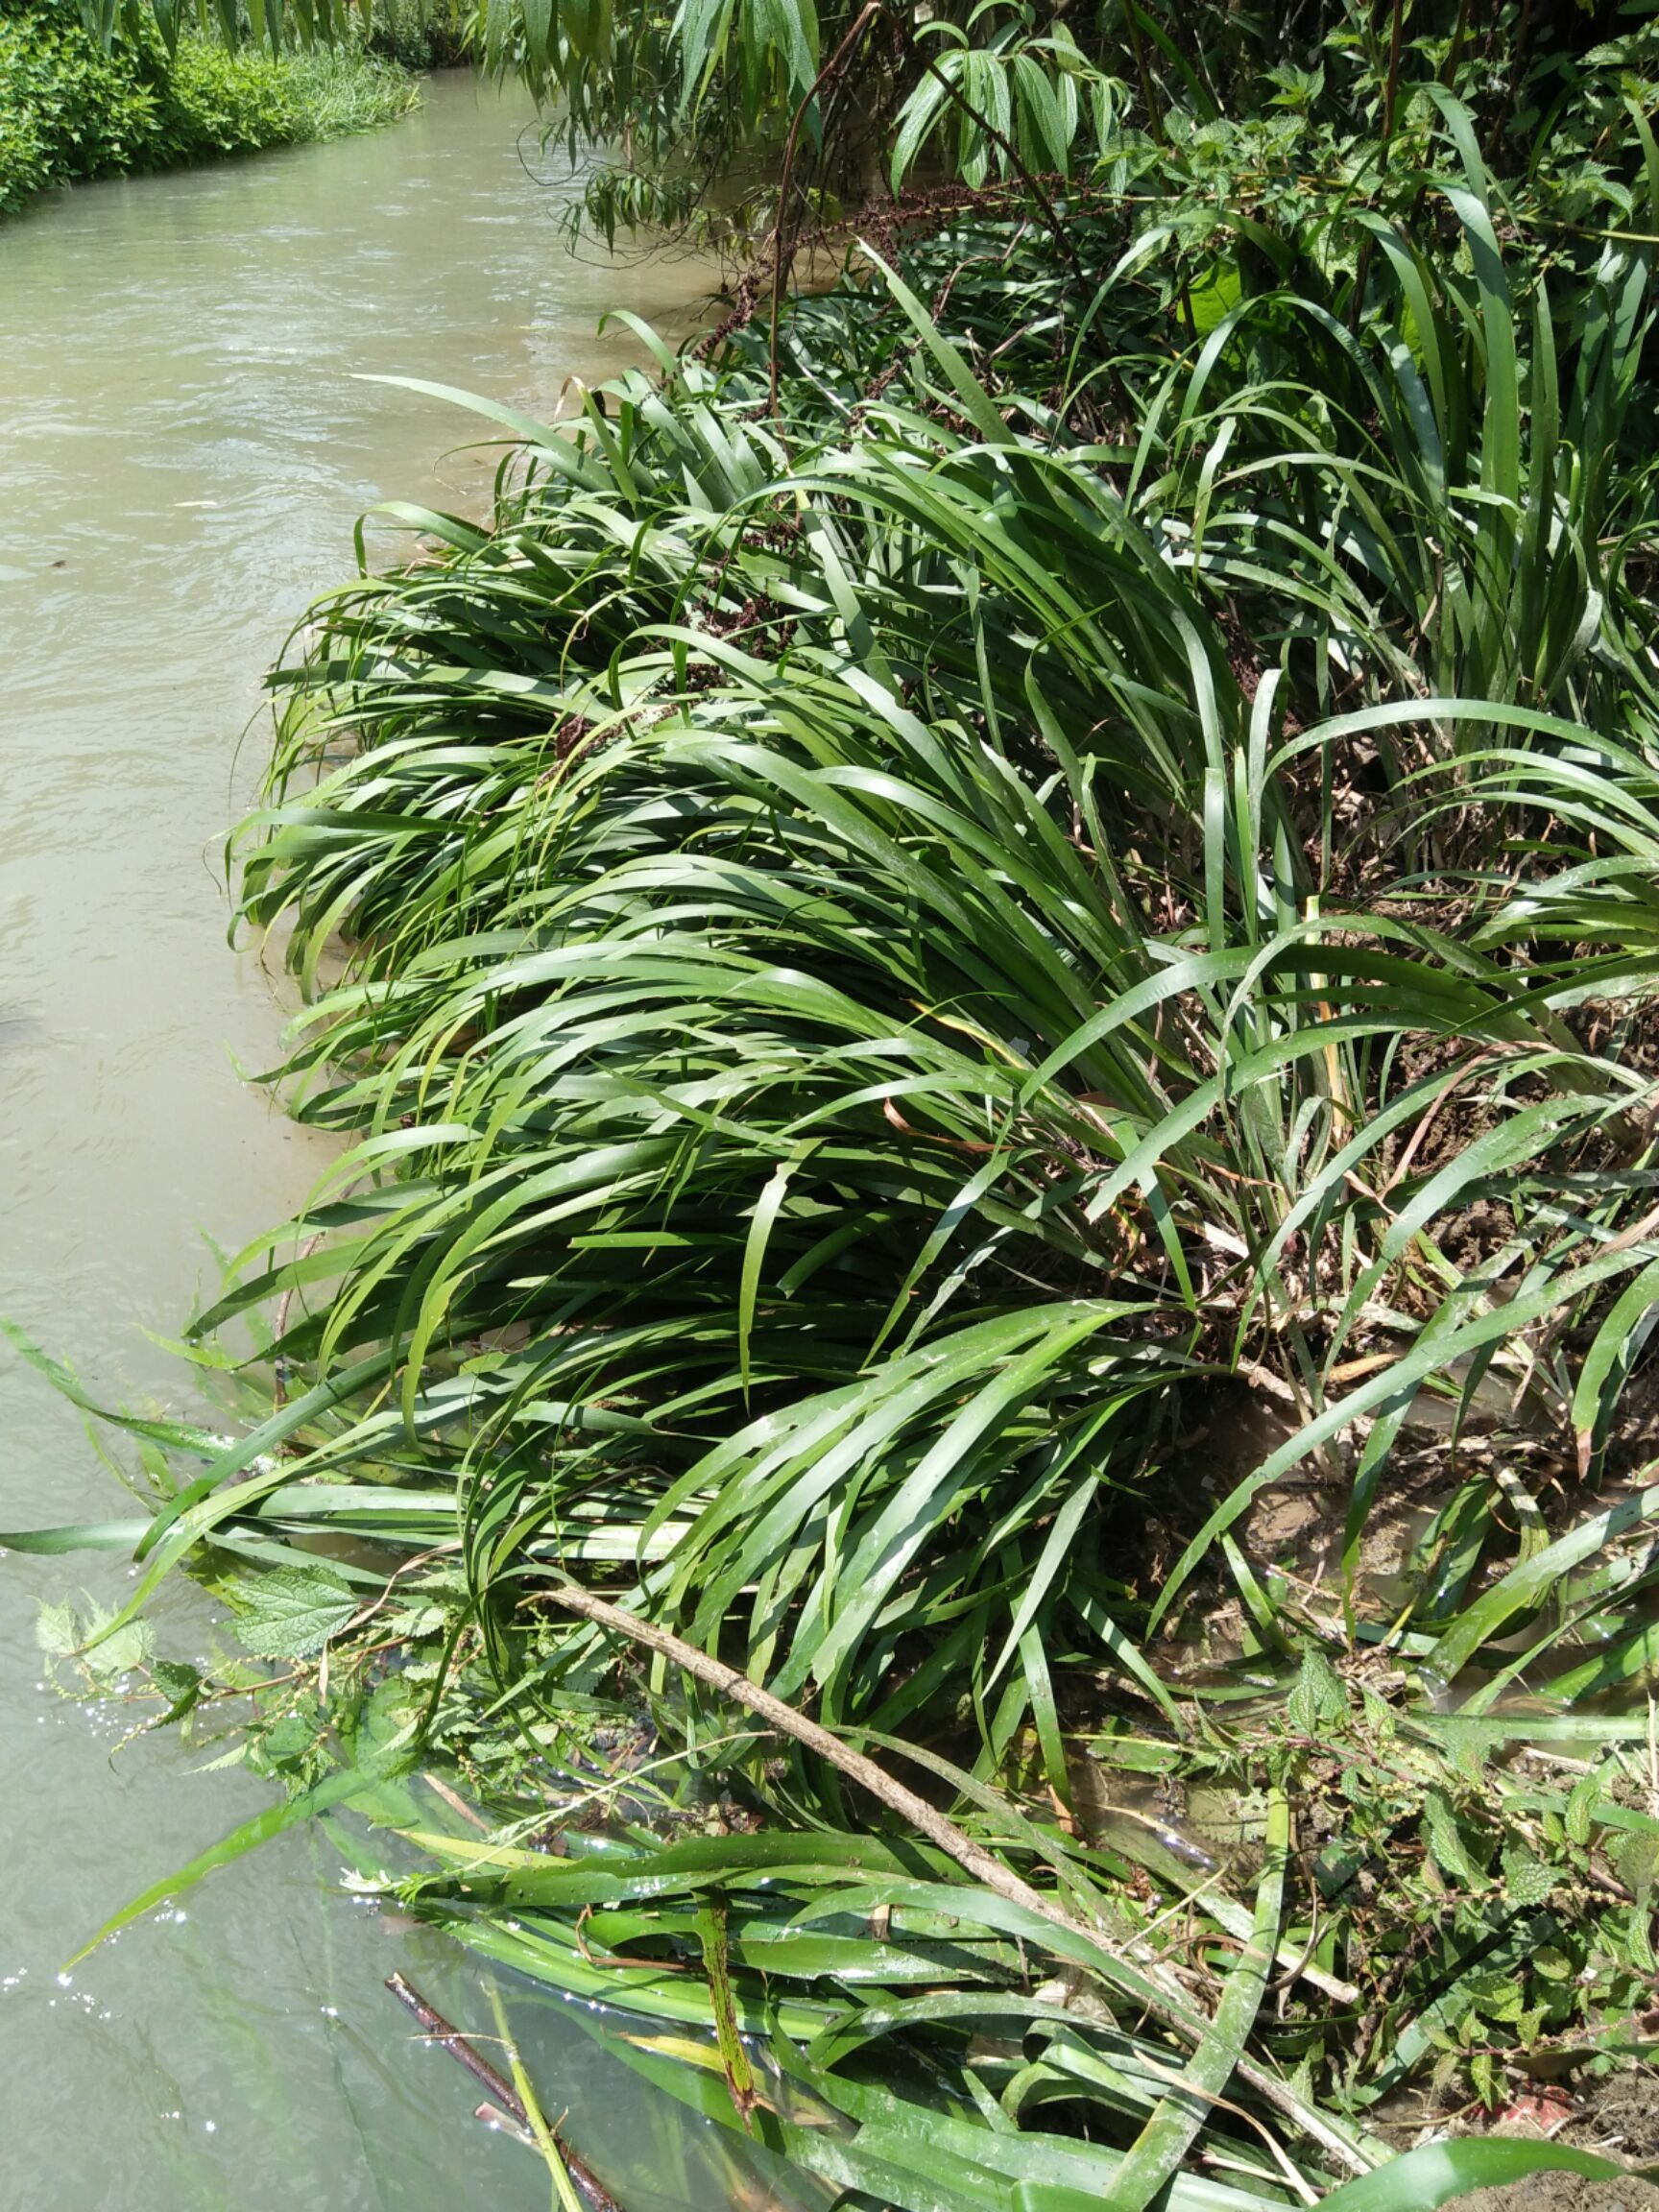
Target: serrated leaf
x=289 y=1739
x=236 y=1756
x=1316 y=1696
x=1379 y=1716
x=416 y=1621
x=1581 y=1812
x=57 y=1630
x=291 y=1612
x=1527 y=1880
x=1493 y=1996
x=111 y=1652
x=1445 y=1840
x=1465 y=1744
x=1640 y=1941
x=1483 y=2071
x=1635 y=1857
x=179 y=1682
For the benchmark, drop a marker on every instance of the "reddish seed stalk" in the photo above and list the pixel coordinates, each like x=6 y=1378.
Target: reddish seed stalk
x=501 y=2091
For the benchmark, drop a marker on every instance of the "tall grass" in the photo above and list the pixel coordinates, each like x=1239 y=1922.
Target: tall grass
x=882 y=962
x=855 y=914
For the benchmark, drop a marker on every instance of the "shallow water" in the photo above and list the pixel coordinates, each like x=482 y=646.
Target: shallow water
x=183 y=451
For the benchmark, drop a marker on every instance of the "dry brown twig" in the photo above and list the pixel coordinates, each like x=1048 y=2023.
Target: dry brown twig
x=1181 y=2013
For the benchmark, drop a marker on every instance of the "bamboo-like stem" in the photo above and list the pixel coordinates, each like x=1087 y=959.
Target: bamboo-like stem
x=1390 y=102
x=1455 y=52
x=1143 y=70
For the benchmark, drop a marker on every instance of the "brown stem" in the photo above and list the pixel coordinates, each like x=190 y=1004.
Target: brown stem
x=1455 y=52
x=501 y=2091
x=1011 y=155
x=923 y=1818
x=1391 y=91
x=456 y=2043
x=783 y=256
x=954 y=1841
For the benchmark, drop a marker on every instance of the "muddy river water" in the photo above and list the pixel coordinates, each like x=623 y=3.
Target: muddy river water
x=184 y=450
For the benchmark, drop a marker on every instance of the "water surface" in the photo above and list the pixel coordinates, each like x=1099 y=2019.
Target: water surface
x=184 y=450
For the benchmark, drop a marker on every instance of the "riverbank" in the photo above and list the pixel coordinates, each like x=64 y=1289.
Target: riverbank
x=964 y=1444
x=838 y=1137
x=70 y=109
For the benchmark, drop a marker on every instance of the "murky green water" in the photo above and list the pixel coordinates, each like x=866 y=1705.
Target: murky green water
x=183 y=454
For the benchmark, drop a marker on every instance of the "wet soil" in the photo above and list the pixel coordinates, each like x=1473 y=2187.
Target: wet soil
x=1562 y=2193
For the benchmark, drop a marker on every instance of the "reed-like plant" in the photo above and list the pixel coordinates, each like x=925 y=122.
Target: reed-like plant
x=882 y=956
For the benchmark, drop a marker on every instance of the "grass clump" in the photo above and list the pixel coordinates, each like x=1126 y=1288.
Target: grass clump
x=72 y=108
x=972 y=955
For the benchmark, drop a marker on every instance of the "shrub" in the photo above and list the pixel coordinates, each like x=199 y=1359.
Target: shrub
x=419 y=34
x=66 y=109
x=70 y=109
x=22 y=157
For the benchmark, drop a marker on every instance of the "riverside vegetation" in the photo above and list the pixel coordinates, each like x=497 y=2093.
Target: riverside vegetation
x=968 y=1426
x=74 y=103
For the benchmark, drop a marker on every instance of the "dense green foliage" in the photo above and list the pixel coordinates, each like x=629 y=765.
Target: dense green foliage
x=1308 y=105
x=72 y=108
x=904 y=956
x=1003 y=921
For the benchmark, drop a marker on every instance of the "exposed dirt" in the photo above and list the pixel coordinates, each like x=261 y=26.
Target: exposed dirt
x=1562 y=2193
x=1616 y=2116
x=1619 y=2115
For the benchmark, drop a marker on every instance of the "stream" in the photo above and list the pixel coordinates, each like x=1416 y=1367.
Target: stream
x=183 y=452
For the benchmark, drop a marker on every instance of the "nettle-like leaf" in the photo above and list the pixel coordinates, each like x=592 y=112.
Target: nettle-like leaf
x=1581 y=1807
x=57 y=1630
x=1492 y=1997
x=1447 y=1841
x=1317 y=1697
x=1635 y=1861
x=1527 y=1880
x=291 y=1612
x=1465 y=1745
x=107 y=1646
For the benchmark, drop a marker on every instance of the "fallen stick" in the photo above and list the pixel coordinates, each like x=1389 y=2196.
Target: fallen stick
x=923 y=1818
x=972 y=1858
x=440 y=2030
x=508 y=2103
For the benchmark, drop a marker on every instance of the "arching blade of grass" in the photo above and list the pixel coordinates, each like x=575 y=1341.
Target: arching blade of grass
x=1439 y=2172
x=337 y=1788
